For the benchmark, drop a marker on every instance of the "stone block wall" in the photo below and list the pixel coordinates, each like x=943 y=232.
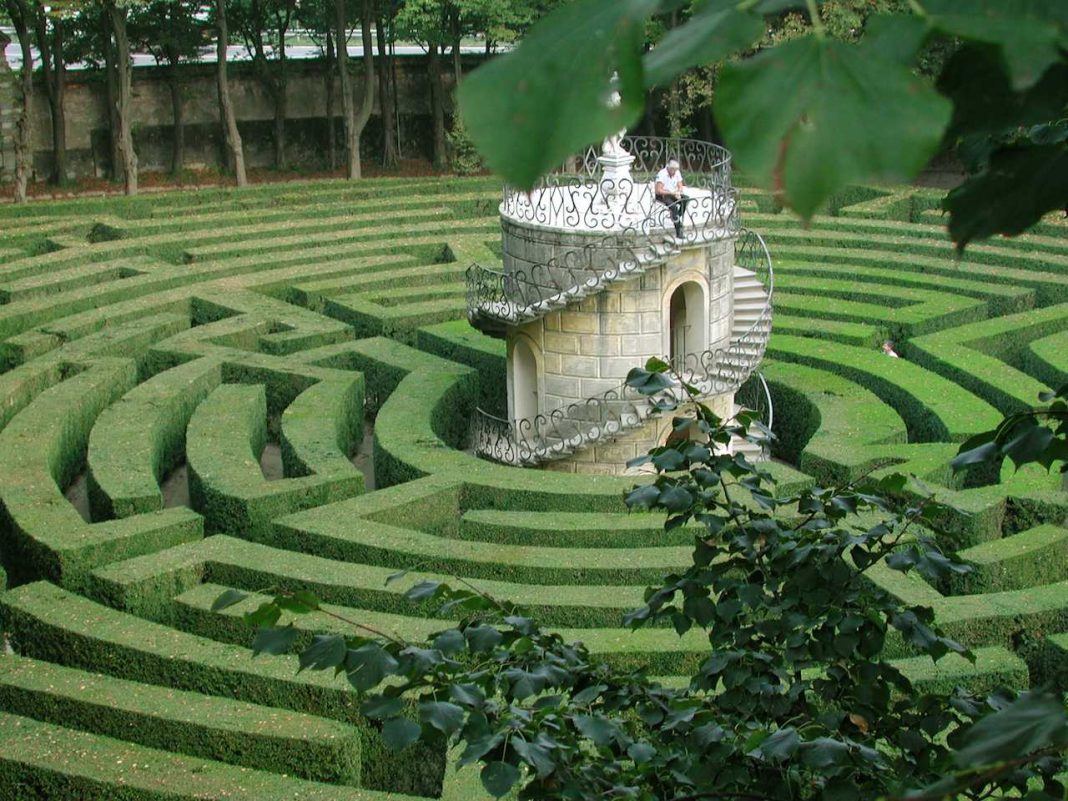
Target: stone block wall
x=307 y=128
x=589 y=348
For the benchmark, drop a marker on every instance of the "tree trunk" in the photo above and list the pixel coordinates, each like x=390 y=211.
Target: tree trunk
x=50 y=49
x=124 y=106
x=328 y=79
x=437 y=106
x=280 y=104
x=59 y=109
x=112 y=97
x=348 y=112
x=177 y=112
x=385 y=98
x=234 y=152
x=457 y=64
x=19 y=13
x=356 y=119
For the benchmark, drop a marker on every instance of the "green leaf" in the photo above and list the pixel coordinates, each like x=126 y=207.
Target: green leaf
x=483 y=638
x=444 y=716
x=648 y=383
x=367 y=665
x=895 y=37
x=601 y=730
x=641 y=752
x=656 y=365
x=1028 y=445
x=499 y=777
x=676 y=499
x=1028 y=32
x=1019 y=186
x=398 y=733
x=326 y=651
x=714 y=32
x=263 y=616
x=227 y=599
x=976 y=450
x=274 y=641
x=530 y=109
x=1033 y=721
x=644 y=497
x=382 y=706
x=812 y=116
x=300 y=603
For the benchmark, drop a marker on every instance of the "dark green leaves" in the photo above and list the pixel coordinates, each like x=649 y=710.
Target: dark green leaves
x=325 y=652
x=812 y=116
x=398 y=733
x=274 y=641
x=529 y=110
x=649 y=383
x=1018 y=186
x=713 y=33
x=1032 y=722
x=228 y=599
x=1029 y=33
x=367 y=665
x=498 y=778
x=442 y=715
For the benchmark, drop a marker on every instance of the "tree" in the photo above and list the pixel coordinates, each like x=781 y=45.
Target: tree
x=254 y=19
x=117 y=14
x=21 y=15
x=317 y=19
x=235 y=154
x=171 y=32
x=795 y=699
x=387 y=80
x=851 y=112
x=355 y=120
x=50 y=31
x=425 y=21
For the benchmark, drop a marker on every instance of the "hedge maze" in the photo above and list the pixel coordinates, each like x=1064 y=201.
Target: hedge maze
x=190 y=383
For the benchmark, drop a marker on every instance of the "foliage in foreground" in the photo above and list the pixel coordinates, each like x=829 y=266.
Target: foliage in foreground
x=795 y=698
x=813 y=114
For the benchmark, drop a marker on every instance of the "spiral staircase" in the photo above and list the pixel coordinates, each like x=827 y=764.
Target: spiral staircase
x=498 y=301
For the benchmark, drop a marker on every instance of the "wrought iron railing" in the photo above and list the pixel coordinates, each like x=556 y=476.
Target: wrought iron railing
x=703 y=164
x=523 y=294
x=755 y=396
x=579 y=203
x=560 y=432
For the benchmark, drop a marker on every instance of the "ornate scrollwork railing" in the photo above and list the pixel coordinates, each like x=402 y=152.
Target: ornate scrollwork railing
x=525 y=294
x=580 y=203
x=560 y=432
x=755 y=396
x=704 y=164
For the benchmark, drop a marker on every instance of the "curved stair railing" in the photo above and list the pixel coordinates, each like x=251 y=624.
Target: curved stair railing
x=755 y=396
x=496 y=298
x=559 y=433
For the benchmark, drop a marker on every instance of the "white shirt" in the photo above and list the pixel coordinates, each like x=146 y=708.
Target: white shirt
x=671 y=184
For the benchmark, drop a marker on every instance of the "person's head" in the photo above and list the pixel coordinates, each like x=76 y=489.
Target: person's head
x=888 y=346
x=672 y=166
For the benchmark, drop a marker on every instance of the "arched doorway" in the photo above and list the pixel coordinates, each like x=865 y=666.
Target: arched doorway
x=525 y=400
x=687 y=322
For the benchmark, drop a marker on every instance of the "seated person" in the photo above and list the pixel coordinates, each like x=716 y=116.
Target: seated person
x=669 y=186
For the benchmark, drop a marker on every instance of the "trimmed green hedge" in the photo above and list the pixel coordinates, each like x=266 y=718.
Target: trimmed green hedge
x=186 y=722
x=41 y=449
x=226 y=436
x=45 y=761
x=48 y=623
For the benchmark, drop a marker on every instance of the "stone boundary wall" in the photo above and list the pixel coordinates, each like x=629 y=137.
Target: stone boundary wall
x=306 y=134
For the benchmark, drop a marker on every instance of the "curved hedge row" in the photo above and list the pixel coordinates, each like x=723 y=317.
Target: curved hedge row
x=203 y=367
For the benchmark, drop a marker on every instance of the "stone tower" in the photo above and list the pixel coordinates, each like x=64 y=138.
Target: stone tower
x=596 y=279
